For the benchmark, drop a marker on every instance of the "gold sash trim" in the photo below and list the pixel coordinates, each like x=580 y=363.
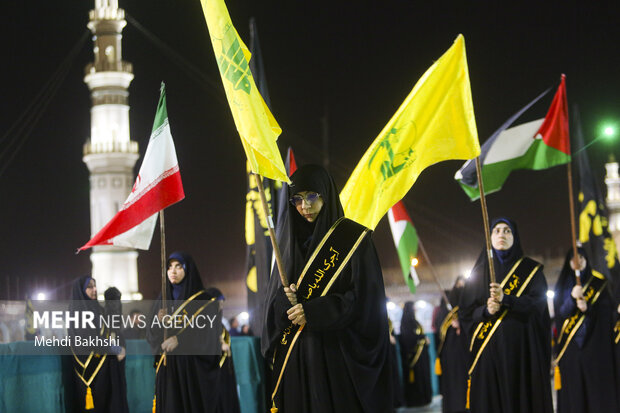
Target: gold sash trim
x=226 y=340
x=570 y=326
x=617 y=331
x=319 y=274
x=419 y=346
x=445 y=325
x=486 y=329
x=163 y=355
x=92 y=377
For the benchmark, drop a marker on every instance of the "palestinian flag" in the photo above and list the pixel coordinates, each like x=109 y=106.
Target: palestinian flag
x=536 y=145
x=406 y=241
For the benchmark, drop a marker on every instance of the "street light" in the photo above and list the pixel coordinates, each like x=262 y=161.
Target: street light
x=609 y=131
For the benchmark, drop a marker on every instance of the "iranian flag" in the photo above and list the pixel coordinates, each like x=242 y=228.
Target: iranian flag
x=406 y=241
x=157 y=186
x=536 y=145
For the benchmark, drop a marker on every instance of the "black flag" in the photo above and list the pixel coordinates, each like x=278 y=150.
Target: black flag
x=593 y=218
x=259 y=249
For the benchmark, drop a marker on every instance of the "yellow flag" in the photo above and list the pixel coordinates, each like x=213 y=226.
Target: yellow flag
x=435 y=123
x=256 y=125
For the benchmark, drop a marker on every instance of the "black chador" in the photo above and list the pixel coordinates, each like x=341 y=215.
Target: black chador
x=510 y=350
x=453 y=351
x=338 y=362
x=99 y=384
x=417 y=388
x=585 y=345
x=186 y=382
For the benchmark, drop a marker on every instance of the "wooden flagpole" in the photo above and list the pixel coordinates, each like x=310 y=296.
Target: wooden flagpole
x=485 y=218
x=572 y=222
x=162 y=233
x=435 y=277
x=272 y=233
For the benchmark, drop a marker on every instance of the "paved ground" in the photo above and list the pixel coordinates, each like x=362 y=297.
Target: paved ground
x=434 y=407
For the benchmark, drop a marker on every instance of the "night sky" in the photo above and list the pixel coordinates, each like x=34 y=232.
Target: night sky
x=351 y=63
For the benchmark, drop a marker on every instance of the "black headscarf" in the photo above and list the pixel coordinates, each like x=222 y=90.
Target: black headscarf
x=298 y=237
x=307 y=235
x=454 y=295
x=477 y=286
x=408 y=322
x=79 y=300
x=113 y=301
x=504 y=260
x=191 y=283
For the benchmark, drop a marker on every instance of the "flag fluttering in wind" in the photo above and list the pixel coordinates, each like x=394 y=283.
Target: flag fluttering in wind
x=435 y=123
x=158 y=185
x=536 y=145
x=256 y=125
x=593 y=217
x=406 y=241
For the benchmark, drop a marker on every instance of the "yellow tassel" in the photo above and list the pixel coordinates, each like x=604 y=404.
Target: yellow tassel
x=274 y=409
x=411 y=376
x=438 y=367
x=557 y=379
x=89 y=399
x=468 y=392
x=154 y=404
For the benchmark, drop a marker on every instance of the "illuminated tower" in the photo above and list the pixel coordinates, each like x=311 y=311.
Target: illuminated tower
x=613 y=198
x=110 y=154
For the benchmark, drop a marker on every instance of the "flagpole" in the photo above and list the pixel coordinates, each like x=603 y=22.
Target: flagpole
x=162 y=233
x=435 y=277
x=571 y=205
x=485 y=218
x=272 y=234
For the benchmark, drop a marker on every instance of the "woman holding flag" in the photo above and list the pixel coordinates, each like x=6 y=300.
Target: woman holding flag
x=585 y=378
x=327 y=334
x=187 y=372
x=508 y=329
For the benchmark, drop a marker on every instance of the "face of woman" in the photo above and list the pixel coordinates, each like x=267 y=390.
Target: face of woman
x=176 y=273
x=501 y=237
x=308 y=204
x=91 y=290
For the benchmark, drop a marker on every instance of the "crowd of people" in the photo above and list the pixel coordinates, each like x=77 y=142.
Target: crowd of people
x=328 y=343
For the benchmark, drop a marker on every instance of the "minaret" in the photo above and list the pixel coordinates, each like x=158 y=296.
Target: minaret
x=613 y=198
x=110 y=154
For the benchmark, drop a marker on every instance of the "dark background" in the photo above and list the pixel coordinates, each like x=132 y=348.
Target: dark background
x=352 y=61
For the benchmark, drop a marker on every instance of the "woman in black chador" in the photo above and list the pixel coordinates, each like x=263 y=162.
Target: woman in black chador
x=99 y=376
x=508 y=326
x=339 y=361
x=417 y=388
x=453 y=352
x=187 y=378
x=588 y=382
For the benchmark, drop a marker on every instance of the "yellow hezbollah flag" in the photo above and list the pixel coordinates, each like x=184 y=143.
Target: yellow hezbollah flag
x=435 y=123
x=255 y=123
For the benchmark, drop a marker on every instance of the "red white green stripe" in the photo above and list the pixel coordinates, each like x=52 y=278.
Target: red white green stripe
x=406 y=241
x=158 y=185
